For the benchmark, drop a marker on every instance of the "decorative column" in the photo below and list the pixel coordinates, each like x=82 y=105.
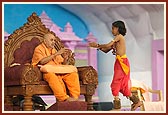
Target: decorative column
x=92 y=52
x=158 y=66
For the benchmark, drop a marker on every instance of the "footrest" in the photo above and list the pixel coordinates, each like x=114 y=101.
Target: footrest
x=68 y=106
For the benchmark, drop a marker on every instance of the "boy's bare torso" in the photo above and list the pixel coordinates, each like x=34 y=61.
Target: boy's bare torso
x=120 y=46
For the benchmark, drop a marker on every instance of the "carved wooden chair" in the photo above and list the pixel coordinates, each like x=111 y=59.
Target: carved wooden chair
x=21 y=78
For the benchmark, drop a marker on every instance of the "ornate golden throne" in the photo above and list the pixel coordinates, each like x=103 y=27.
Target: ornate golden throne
x=21 y=78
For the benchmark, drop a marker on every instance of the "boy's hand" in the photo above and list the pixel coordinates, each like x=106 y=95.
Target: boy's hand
x=93 y=44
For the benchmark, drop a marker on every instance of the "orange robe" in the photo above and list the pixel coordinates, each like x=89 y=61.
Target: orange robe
x=121 y=79
x=57 y=81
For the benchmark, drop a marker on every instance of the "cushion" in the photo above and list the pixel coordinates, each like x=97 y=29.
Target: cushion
x=58 y=68
x=24 y=54
x=68 y=106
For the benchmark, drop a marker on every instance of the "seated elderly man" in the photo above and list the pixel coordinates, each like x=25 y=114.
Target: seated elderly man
x=54 y=72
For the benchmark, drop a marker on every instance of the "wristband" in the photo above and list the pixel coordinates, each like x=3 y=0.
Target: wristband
x=98 y=46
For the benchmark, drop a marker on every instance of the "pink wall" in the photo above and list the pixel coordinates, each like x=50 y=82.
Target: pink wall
x=158 y=65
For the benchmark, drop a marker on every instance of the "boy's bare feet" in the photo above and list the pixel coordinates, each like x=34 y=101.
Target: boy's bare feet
x=117 y=104
x=135 y=106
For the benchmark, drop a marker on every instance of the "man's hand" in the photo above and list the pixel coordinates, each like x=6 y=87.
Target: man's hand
x=61 y=51
x=93 y=44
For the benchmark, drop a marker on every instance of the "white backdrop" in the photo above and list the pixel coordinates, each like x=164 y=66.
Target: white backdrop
x=144 y=22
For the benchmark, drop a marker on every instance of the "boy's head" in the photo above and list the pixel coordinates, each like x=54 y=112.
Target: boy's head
x=118 y=27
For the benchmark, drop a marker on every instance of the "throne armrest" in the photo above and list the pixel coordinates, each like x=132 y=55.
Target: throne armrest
x=88 y=75
x=22 y=74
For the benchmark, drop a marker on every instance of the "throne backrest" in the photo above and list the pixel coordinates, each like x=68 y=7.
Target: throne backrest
x=21 y=43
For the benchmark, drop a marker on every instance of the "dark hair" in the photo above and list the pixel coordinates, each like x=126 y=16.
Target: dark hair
x=121 y=27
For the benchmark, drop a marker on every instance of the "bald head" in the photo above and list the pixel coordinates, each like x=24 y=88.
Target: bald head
x=49 y=40
x=48 y=35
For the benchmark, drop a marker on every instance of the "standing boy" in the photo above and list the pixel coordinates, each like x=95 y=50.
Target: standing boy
x=121 y=78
